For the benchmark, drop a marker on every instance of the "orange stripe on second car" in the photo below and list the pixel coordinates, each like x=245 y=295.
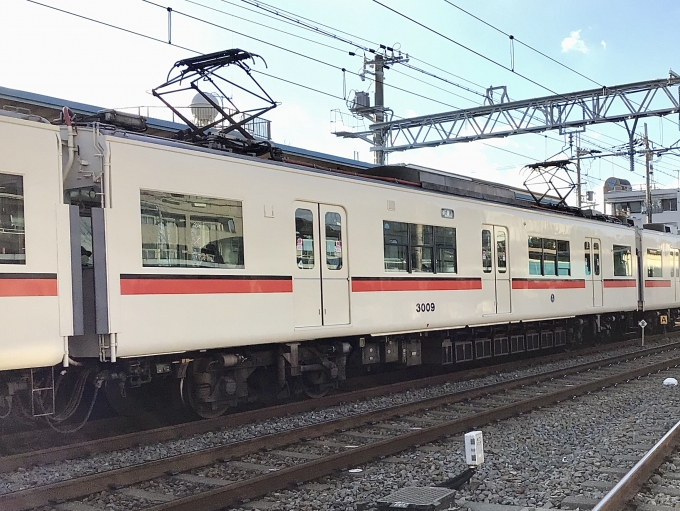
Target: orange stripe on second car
x=547 y=284
x=203 y=286
x=657 y=283
x=23 y=286
x=619 y=283
x=413 y=284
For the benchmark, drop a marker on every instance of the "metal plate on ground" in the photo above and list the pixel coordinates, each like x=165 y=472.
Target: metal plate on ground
x=423 y=498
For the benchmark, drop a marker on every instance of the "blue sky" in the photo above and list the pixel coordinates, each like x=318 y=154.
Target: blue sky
x=610 y=42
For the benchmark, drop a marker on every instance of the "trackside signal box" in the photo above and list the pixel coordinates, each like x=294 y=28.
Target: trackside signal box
x=474 y=448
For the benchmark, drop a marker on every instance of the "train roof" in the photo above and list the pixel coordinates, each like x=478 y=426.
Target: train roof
x=405 y=174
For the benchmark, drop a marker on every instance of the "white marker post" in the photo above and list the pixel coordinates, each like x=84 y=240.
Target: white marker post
x=643 y=324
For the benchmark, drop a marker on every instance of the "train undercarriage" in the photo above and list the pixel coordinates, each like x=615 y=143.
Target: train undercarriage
x=209 y=384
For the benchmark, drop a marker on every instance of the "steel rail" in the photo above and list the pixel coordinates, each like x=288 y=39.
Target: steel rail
x=219 y=498
x=88 y=448
x=71 y=489
x=626 y=489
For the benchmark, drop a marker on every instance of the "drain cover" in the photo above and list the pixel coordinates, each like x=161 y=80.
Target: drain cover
x=425 y=498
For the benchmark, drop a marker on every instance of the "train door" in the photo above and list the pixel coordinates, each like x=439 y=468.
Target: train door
x=593 y=269
x=321 y=275
x=496 y=269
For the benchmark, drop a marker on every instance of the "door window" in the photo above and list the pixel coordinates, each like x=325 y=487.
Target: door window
x=596 y=257
x=501 y=252
x=304 y=238
x=486 y=251
x=586 y=247
x=333 y=241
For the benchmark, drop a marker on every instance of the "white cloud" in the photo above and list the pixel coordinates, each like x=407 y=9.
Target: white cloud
x=604 y=45
x=574 y=42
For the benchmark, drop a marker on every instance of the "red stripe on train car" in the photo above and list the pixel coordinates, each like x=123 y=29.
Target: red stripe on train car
x=363 y=284
x=657 y=283
x=547 y=284
x=28 y=284
x=619 y=282
x=194 y=285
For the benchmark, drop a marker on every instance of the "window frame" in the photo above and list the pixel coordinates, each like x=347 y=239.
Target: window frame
x=184 y=248
x=650 y=269
x=15 y=231
x=428 y=242
x=628 y=265
x=550 y=254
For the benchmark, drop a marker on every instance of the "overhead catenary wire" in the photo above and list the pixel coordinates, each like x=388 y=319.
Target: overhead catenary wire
x=313 y=26
x=293 y=18
x=148 y=37
x=513 y=38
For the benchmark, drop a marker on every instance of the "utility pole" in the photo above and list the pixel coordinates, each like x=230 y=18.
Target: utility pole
x=378 y=135
x=648 y=195
x=378 y=113
x=578 y=171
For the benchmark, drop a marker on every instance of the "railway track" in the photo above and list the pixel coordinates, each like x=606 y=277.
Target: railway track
x=217 y=477
x=643 y=488
x=27 y=448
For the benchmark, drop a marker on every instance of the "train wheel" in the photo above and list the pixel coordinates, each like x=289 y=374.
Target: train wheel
x=314 y=384
x=197 y=389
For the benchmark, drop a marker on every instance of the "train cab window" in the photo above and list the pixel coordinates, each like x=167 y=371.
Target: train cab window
x=190 y=231
x=622 y=261
x=654 y=263
x=487 y=263
x=501 y=252
x=596 y=258
x=304 y=238
x=563 y=258
x=12 y=233
x=586 y=247
x=445 y=241
x=333 y=241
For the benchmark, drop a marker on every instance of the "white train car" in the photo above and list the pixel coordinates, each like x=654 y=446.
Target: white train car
x=234 y=277
x=35 y=263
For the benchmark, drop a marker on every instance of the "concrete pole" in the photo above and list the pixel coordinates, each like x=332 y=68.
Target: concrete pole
x=378 y=139
x=578 y=171
x=648 y=194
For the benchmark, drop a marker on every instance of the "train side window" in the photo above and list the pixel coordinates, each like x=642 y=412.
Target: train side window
x=333 y=241
x=487 y=263
x=501 y=252
x=586 y=247
x=422 y=250
x=12 y=231
x=395 y=237
x=549 y=257
x=445 y=243
x=622 y=261
x=563 y=258
x=596 y=258
x=654 y=263
x=304 y=238
x=535 y=256
x=190 y=231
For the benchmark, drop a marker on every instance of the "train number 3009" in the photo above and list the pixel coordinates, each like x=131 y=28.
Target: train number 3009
x=425 y=307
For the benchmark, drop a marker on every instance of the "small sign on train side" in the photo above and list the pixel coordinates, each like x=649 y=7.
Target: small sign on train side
x=663 y=319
